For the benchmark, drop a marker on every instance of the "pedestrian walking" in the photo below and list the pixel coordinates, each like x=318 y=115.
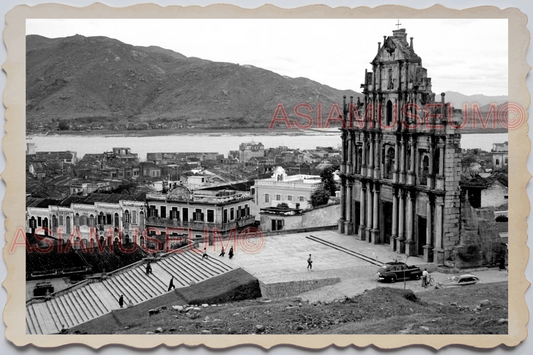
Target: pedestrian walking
x=222 y=253
x=205 y=256
x=171 y=284
x=502 y=262
x=425 y=275
x=121 y=301
x=309 y=263
x=230 y=253
x=148 y=268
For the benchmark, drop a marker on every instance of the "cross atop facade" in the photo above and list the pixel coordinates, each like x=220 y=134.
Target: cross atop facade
x=398 y=24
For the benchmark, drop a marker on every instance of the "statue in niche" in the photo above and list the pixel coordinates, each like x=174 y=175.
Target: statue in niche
x=390 y=84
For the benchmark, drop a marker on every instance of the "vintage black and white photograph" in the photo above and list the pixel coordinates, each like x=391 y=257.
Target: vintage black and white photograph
x=267 y=176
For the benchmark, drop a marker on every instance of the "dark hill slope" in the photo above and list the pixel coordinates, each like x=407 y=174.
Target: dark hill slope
x=81 y=76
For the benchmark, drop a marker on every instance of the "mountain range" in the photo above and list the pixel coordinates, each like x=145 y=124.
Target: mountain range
x=102 y=78
x=80 y=77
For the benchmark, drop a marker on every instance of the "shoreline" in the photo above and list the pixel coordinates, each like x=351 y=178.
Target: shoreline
x=220 y=132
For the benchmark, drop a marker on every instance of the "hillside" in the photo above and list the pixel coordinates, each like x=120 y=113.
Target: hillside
x=99 y=78
x=458 y=99
x=477 y=309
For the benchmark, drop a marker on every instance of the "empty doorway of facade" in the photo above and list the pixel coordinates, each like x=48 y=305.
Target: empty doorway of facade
x=387 y=222
x=422 y=223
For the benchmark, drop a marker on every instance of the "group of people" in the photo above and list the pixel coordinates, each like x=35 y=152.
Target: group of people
x=222 y=253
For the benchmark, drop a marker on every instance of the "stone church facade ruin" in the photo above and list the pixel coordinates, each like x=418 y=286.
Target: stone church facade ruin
x=401 y=167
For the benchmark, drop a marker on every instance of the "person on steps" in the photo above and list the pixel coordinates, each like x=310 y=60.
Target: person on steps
x=222 y=253
x=121 y=301
x=309 y=262
x=171 y=284
x=205 y=256
x=230 y=253
x=148 y=268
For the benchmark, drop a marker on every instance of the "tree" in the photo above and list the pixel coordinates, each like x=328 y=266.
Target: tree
x=320 y=197
x=328 y=180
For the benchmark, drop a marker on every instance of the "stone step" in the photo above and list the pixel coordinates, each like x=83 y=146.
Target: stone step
x=105 y=295
x=54 y=315
x=31 y=321
x=64 y=311
x=140 y=286
x=70 y=309
x=64 y=319
x=45 y=318
x=173 y=269
x=178 y=270
x=201 y=266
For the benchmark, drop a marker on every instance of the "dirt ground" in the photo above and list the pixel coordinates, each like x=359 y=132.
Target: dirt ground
x=476 y=309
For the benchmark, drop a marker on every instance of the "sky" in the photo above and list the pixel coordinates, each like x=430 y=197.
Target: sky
x=464 y=55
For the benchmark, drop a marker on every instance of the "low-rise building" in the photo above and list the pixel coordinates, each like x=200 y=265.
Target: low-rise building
x=293 y=190
x=500 y=155
x=249 y=150
x=181 y=208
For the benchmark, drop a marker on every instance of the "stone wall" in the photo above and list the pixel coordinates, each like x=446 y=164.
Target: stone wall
x=480 y=243
x=452 y=199
x=292 y=288
x=318 y=217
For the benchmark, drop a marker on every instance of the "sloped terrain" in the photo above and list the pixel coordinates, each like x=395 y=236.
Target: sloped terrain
x=101 y=78
x=477 y=309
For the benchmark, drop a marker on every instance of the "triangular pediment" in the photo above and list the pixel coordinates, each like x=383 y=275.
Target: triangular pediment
x=395 y=48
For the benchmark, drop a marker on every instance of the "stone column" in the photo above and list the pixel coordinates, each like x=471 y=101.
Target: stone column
x=394 y=235
x=349 y=168
x=402 y=160
x=348 y=226
x=396 y=161
x=410 y=245
x=428 y=248
x=370 y=167
x=439 y=218
x=400 y=246
x=411 y=172
x=344 y=149
x=377 y=153
x=362 y=214
x=369 y=211
x=354 y=151
x=363 y=155
x=340 y=225
x=440 y=176
x=375 y=216
x=431 y=173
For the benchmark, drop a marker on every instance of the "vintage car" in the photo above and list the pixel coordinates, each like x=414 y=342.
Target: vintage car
x=463 y=280
x=396 y=270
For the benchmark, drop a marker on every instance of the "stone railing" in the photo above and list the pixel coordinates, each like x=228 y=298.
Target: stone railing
x=199 y=225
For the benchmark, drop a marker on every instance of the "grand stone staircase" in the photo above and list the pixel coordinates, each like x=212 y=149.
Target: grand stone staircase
x=93 y=298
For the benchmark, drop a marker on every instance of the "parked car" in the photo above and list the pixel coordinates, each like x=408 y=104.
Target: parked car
x=463 y=280
x=396 y=270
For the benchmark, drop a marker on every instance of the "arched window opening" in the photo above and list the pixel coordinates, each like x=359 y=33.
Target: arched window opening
x=359 y=160
x=424 y=173
x=389 y=163
x=388 y=114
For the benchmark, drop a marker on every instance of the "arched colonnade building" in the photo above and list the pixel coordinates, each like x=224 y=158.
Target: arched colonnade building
x=399 y=175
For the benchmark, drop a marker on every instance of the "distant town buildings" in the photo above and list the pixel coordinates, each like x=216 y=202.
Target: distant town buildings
x=250 y=150
x=500 y=155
